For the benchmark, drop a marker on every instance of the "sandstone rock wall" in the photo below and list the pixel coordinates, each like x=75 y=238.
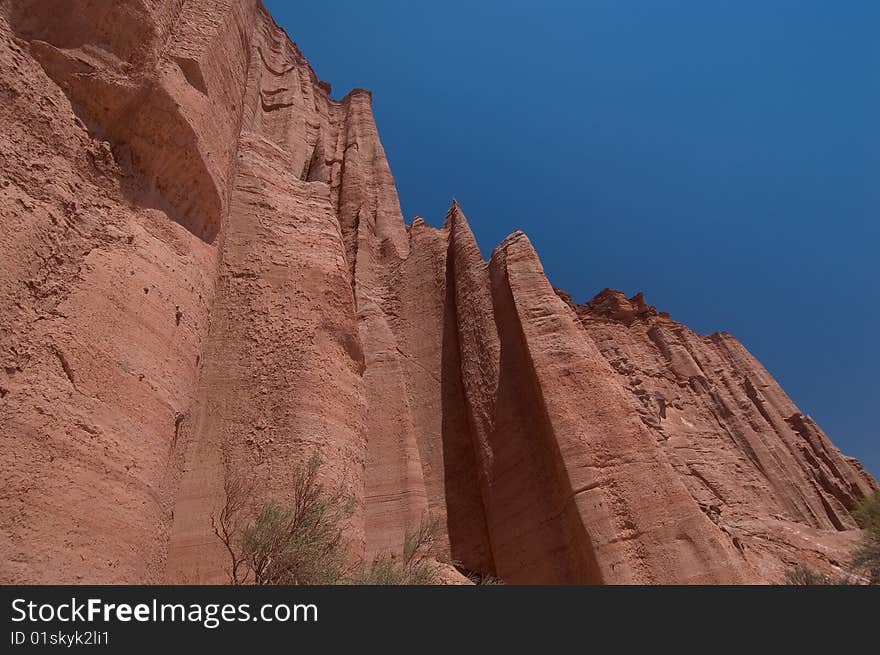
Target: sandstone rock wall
x=764 y=473
x=205 y=273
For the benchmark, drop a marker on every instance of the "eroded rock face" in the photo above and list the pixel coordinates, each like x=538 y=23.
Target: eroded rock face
x=764 y=473
x=205 y=273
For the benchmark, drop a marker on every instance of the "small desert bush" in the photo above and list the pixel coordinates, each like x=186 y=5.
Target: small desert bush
x=865 y=565
x=804 y=575
x=303 y=541
x=483 y=580
x=489 y=580
x=415 y=567
x=300 y=542
x=867 y=557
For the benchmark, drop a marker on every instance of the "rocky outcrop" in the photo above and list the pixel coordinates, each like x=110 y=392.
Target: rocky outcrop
x=763 y=472
x=205 y=273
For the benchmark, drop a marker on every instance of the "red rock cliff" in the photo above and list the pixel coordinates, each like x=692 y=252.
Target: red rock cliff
x=204 y=272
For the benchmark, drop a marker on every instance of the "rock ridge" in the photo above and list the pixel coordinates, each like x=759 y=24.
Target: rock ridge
x=205 y=273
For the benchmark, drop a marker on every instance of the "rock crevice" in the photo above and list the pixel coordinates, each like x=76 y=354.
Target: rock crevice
x=205 y=273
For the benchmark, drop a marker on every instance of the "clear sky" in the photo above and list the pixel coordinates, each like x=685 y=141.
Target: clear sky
x=720 y=156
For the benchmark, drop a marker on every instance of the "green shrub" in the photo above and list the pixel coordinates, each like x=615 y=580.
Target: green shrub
x=490 y=580
x=303 y=541
x=297 y=543
x=867 y=556
x=866 y=559
x=803 y=575
x=415 y=567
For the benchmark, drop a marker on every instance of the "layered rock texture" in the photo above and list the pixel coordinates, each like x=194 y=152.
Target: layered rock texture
x=205 y=273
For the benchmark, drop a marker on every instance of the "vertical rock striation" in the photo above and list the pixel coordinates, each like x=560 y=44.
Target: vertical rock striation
x=764 y=473
x=205 y=274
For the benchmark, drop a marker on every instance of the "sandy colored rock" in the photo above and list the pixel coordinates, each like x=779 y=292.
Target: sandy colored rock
x=205 y=273
x=763 y=472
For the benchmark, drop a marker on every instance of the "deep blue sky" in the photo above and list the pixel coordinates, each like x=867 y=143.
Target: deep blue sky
x=722 y=157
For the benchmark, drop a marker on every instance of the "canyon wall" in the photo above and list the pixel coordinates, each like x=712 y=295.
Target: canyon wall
x=205 y=275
